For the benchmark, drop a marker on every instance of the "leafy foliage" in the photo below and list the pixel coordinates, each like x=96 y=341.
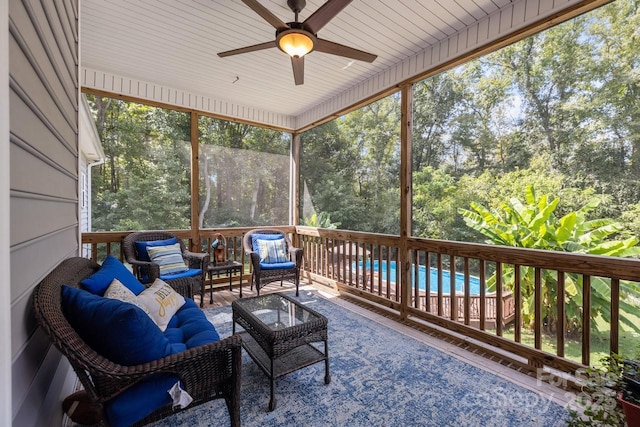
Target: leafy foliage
x=321 y=220
x=350 y=168
x=533 y=224
x=244 y=174
x=598 y=397
x=144 y=183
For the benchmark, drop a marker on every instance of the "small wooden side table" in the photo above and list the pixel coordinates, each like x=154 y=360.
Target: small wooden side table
x=229 y=267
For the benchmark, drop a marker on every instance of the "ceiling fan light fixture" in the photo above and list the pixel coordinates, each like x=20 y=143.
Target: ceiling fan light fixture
x=297 y=39
x=295 y=42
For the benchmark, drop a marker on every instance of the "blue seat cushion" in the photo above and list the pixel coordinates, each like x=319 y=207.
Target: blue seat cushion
x=202 y=338
x=193 y=326
x=141 y=247
x=140 y=400
x=277 y=266
x=117 y=330
x=192 y=272
x=174 y=335
x=196 y=329
x=189 y=303
x=111 y=269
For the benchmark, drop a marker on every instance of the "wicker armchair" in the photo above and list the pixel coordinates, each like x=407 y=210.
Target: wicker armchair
x=147 y=271
x=207 y=372
x=261 y=276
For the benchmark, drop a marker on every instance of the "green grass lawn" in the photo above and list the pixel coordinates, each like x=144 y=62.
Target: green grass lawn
x=629 y=342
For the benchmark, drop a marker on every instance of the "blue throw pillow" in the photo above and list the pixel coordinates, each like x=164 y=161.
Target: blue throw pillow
x=271 y=251
x=256 y=237
x=118 y=331
x=111 y=269
x=141 y=247
x=169 y=258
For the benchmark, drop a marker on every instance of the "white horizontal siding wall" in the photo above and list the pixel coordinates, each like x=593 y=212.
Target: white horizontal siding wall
x=5 y=225
x=120 y=85
x=509 y=19
x=43 y=204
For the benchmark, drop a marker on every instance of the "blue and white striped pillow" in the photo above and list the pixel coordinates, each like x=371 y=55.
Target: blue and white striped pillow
x=272 y=251
x=169 y=258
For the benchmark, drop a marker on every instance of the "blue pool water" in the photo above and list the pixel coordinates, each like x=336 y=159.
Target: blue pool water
x=474 y=282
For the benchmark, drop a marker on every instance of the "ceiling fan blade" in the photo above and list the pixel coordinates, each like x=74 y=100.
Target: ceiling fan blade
x=297 y=62
x=266 y=14
x=341 y=50
x=246 y=49
x=324 y=14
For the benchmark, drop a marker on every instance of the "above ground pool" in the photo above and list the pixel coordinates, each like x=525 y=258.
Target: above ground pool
x=474 y=282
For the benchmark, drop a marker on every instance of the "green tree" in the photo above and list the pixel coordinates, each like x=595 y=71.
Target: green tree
x=551 y=73
x=244 y=173
x=328 y=165
x=321 y=220
x=375 y=131
x=434 y=103
x=350 y=168
x=143 y=183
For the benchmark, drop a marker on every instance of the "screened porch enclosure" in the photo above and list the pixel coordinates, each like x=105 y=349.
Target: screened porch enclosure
x=371 y=167
x=394 y=199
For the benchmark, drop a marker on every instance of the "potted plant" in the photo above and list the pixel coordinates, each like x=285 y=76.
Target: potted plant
x=609 y=395
x=629 y=395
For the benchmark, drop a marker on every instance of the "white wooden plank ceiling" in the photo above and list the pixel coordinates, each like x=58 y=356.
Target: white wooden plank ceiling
x=173 y=44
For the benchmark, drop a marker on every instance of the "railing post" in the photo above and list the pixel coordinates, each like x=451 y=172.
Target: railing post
x=614 y=331
x=406 y=124
x=586 y=320
x=561 y=313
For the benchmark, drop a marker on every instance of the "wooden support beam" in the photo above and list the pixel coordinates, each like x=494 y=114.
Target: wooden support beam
x=195 y=184
x=294 y=180
x=406 y=128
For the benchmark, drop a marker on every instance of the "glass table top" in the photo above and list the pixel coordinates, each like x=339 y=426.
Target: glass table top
x=277 y=311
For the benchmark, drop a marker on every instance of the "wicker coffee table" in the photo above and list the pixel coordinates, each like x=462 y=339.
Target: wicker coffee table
x=278 y=335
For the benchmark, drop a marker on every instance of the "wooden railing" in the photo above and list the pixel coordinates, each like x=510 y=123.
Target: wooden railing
x=100 y=244
x=365 y=265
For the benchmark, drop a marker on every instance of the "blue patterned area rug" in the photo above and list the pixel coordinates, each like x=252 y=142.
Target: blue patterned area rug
x=379 y=377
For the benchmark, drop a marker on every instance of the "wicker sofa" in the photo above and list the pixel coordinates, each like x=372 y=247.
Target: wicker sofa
x=206 y=372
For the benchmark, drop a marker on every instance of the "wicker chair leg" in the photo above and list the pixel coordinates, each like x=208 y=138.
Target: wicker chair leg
x=233 y=405
x=258 y=285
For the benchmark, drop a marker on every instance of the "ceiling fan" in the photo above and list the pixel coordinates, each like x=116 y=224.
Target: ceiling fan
x=299 y=38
